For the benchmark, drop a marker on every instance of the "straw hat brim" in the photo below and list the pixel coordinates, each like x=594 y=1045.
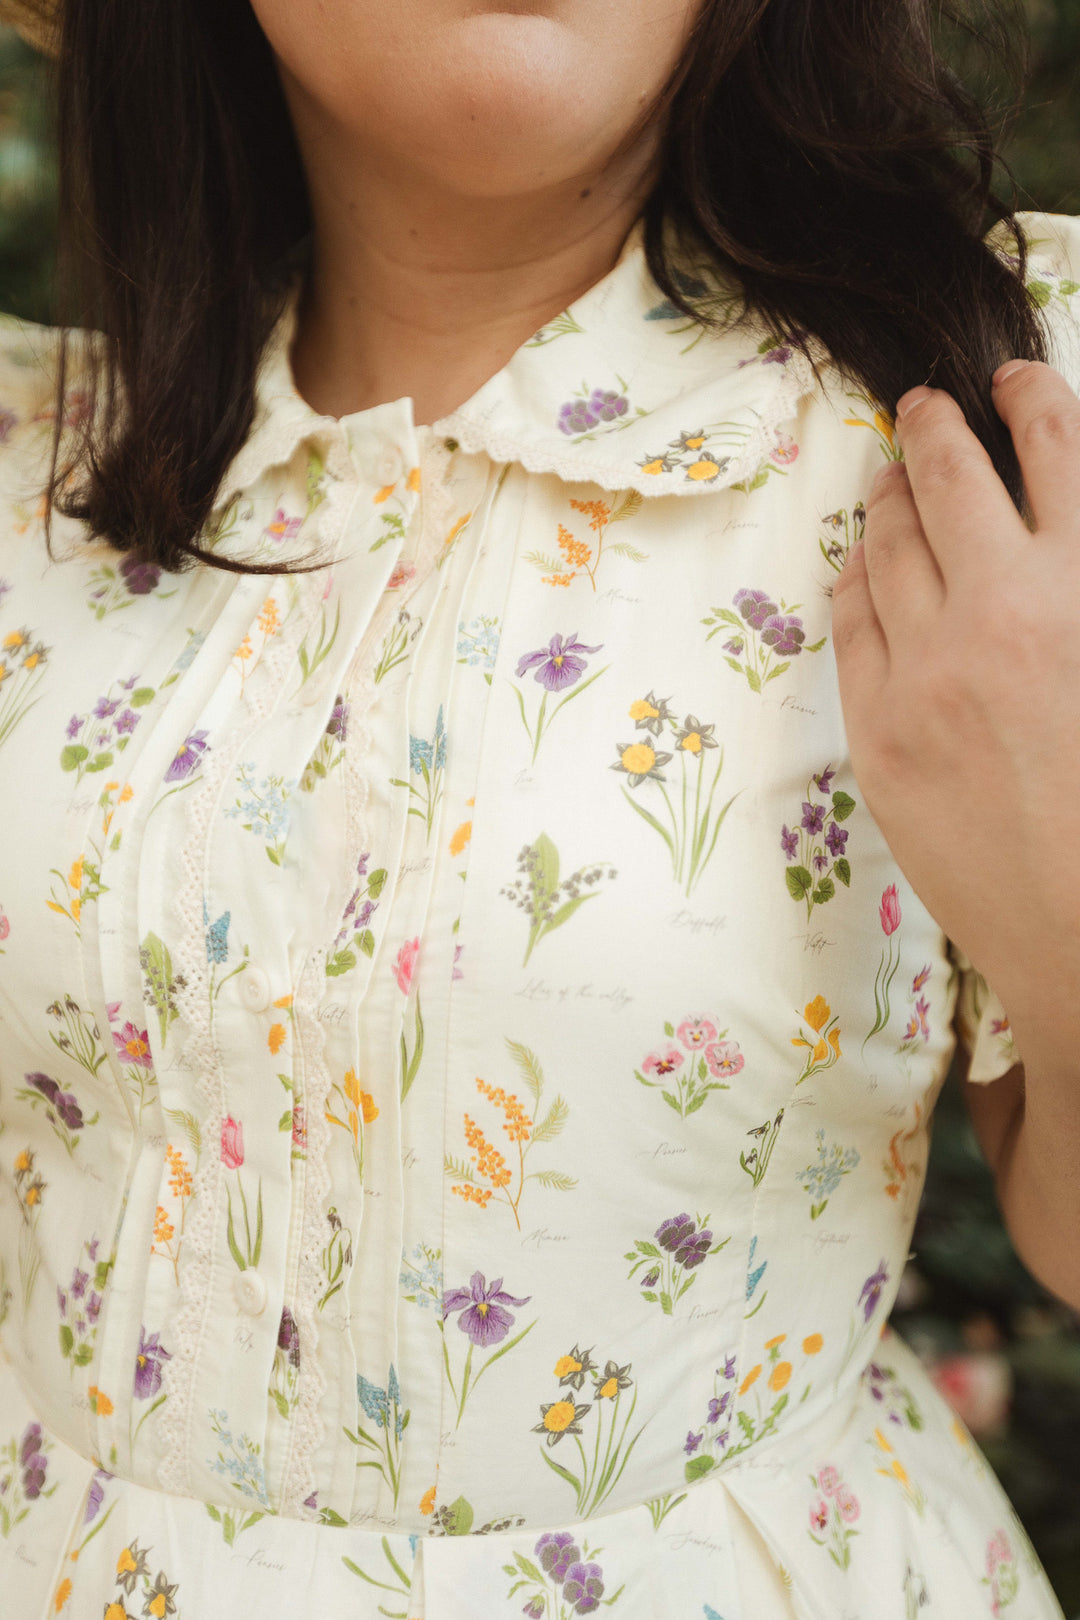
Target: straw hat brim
x=36 y=20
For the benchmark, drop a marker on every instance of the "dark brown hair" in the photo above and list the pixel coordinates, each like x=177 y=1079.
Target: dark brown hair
x=820 y=150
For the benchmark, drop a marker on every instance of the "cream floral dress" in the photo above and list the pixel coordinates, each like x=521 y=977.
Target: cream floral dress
x=466 y=1050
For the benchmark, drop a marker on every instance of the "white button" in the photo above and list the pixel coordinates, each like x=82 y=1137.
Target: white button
x=387 y=467
x=250 y=1292
x=254 y=989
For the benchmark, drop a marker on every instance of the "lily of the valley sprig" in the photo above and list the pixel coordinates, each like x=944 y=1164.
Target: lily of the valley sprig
x=692 y=828
x=537 y=890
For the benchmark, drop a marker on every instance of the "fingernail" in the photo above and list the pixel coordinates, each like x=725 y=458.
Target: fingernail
x=1007 y=370
x=913 y=398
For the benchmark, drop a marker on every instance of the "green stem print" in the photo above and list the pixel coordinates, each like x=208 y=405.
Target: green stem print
x=660 y=1506
x=427 y=760
x=22 y=669
x=690 y=832
x=889 y=912
x=485 y=1175
x=538 y=888
x=485 y=1320
x=30 y=1190
x=763 y=630
x=410 y=1061
x=397 y=643
x=818 y=863
x=560 y=666
x=331 y=750
x=81 y=885
x=686 y=1074
x=561 y=1580
x=756 y=1162
x=79 y=1037
x=232 y=1524
x=313 y=652
x=336 y=1257
x=389 y=1420
x=249 y=1255
x=678 y=1246
x=835 y=549
x=591 y=1477
x=400 y=1584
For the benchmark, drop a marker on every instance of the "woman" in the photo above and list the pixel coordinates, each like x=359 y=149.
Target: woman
x=469 y=1042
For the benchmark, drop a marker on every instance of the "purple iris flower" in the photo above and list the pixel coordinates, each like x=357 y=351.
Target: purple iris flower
x=836 y=837
x=790 y=841
x=148 y=1363
x=784 y=633
x=559 y=662
x=755 y=607
x=188 y=755
x=871 y=1290
x=140 y=577
x=482 y=1315
x=813 y=817
x=556 y=1551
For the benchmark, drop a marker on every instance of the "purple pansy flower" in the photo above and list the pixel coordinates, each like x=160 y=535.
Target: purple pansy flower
x=790 y=841
x=729 y=1367
x=784 y=633
x=64 y=1102
x=126 y=722
x=606 y=404
x=679 y=1235
x=557 y=1550
x=148 y=1363
x=755 y=607
x=735 y=646
x=822 y=782
x=482 y=1315
x=289 y=1336
x=693 y=1441
x=576 y=417
x=871 y=1290
x=74 y=726
x=813 y=816
x=718 y=1405
x=820 y=861
x=584 y=1587
x=140 y=577
x=188 y=755
x=93 y=1306
x=105 y=707
x=79 y=1281
x=559 y=662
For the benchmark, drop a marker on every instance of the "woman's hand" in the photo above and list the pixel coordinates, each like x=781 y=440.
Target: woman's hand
x=956 y=629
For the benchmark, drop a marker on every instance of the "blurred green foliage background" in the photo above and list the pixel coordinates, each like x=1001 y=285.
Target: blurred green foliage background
x=1005 y=1353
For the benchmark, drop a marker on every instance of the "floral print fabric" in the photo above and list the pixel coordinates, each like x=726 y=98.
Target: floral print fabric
x=467 y=1050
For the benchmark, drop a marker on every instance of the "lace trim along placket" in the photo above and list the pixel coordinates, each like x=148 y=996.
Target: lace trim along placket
x=200 y=1050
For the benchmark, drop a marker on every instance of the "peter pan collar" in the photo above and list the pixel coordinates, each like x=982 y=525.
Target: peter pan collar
x=621 y=390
